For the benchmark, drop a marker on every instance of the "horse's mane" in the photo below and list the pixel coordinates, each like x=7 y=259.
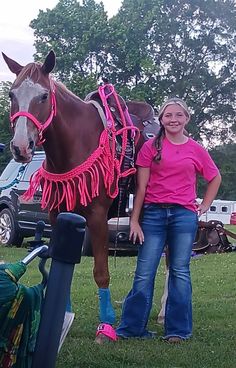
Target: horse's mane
x=28 y=71
x=62 y=87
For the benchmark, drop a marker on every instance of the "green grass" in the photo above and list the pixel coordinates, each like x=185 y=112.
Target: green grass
x=233 y=229
x=214 y=308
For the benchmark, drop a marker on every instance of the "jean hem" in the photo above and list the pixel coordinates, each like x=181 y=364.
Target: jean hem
x=166 y=337
x=147 y=335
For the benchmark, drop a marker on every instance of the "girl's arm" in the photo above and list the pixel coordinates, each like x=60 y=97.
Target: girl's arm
x=211 y=192
x=136 y=232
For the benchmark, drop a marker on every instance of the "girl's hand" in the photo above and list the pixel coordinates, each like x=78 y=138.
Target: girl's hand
x=202 y=208
x=136 y=232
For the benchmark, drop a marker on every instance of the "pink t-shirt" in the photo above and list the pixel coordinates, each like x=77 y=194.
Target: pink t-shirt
x=173 y=179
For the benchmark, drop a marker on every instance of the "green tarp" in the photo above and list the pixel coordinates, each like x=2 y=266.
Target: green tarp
x=19 y=317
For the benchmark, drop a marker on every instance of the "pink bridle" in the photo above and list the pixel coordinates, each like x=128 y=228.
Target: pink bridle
x=41 y=127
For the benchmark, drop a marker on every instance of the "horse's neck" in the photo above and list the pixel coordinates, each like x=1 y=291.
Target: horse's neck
x=73 y=134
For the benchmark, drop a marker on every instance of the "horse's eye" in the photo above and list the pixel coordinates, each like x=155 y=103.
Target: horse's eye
x=10 y=95
x=44 y=97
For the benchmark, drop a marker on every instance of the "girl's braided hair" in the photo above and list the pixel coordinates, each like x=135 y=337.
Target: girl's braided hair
x=161 y=134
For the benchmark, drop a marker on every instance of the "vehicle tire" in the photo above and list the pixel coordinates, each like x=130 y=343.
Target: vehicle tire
x=9 y=233
x=87 y=246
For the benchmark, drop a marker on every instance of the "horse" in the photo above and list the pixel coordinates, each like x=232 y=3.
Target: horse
x=81 y=170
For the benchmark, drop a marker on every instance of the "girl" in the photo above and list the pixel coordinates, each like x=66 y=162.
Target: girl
x=166 y=195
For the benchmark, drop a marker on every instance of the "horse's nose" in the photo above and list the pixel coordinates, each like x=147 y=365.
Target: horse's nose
x=31 y=145
x=15 y=150
x=16 y=153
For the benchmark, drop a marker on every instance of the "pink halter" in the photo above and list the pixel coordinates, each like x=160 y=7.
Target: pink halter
x=40 y=126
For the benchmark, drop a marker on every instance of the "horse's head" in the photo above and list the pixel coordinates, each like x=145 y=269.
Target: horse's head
x=32 y=105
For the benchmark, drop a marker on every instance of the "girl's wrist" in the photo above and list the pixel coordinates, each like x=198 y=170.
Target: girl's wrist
x=205 y=204
x=134 y=220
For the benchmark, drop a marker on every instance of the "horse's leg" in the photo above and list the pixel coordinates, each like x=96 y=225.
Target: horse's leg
x=161 y=315
x=99 y=237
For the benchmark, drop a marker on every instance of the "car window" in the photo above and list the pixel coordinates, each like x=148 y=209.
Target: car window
x=31 y=168
x=10 y=172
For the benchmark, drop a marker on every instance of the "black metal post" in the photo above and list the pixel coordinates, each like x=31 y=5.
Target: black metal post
x=65 y=250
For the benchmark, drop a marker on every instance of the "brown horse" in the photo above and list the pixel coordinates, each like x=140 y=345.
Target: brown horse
x=80 y=172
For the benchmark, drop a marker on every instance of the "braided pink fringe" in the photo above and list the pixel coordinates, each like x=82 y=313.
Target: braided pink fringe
x=59 y=188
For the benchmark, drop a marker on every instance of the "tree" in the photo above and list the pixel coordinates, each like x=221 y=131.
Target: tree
x=187 y=50
x=150 y=50
x=131 y=63
x=78 y=34
x=5 y=133
x=224 y=157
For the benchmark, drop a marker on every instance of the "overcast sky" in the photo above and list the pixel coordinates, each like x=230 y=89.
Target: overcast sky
x=16 y=37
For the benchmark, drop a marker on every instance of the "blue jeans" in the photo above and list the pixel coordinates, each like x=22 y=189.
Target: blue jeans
x=175 y=226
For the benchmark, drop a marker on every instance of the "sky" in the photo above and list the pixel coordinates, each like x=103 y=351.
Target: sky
x=16 y=37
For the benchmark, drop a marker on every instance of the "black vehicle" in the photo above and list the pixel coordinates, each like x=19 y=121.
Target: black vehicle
x=18 y=218
x=2 y=146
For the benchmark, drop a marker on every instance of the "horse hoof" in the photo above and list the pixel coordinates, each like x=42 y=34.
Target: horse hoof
x=101 y=339
x=105 y=333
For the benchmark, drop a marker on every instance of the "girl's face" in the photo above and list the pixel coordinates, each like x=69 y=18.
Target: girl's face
x=174 y=119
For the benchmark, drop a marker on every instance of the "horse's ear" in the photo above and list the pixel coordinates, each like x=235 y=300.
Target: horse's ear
x=12 y=65
x=49 y=62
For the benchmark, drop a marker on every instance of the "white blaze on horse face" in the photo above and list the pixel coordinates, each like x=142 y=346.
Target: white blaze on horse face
x=24 y=94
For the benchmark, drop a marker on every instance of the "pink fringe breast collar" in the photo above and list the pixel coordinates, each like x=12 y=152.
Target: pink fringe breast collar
x=82 y=183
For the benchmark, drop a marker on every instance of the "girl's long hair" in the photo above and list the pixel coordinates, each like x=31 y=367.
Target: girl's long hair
x=158 y=143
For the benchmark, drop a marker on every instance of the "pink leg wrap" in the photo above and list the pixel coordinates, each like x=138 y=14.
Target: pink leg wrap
x=107 y=330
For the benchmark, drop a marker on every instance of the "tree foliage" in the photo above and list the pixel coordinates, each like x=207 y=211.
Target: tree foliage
x=180 y=48
x=225 y=156
x=78 y=34
x=131 y=62
x=5 y=132
x=151 y=49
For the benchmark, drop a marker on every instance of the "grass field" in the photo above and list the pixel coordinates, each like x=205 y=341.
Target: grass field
x=214 y=308
x=233 y=229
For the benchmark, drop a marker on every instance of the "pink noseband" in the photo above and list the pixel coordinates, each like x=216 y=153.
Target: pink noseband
x=40 y=126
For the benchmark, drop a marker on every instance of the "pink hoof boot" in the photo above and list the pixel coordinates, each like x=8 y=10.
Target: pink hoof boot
x=104 y=329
